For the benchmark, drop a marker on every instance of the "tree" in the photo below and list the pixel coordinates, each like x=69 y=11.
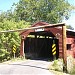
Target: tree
x=51 y=11
x=2 y=16
x=7 y=40
x=69 y=27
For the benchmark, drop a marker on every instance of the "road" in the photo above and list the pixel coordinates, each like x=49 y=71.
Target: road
x=27 y=67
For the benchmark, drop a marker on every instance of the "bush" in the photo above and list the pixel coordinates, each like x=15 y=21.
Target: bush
x=4 y=55
x=57 y=65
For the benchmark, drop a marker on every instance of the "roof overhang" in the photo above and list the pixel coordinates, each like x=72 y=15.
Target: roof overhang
x=43 y=26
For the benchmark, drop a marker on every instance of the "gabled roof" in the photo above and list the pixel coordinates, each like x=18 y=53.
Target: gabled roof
x=40 y=23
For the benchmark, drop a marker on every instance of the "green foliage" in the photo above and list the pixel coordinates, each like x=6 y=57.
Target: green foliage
x=69 y=27
x=51 y=11
x=57 y=65
x=7 y=40
x=18 y=59
x=4 y=55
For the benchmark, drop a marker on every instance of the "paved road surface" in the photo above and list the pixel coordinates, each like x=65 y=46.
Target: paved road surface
x=27 y=67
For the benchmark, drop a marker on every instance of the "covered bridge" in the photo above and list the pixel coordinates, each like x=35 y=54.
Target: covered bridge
x=44 y=42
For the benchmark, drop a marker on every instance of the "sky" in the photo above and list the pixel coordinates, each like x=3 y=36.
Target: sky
x=71 y=20
x=6 y=5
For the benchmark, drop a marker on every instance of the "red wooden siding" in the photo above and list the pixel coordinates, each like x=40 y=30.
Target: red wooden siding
x=72 y=42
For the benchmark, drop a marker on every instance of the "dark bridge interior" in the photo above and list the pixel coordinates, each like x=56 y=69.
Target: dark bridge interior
x=40 y=47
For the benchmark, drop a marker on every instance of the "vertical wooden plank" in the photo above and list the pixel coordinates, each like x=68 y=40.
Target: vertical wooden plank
x=21 y=48
x=64 y=48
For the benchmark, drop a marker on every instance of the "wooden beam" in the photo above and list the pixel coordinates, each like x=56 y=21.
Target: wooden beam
x=64 y=48
x=32 y=28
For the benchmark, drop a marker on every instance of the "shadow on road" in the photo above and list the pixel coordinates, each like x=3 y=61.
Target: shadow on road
x=43 y=59
x=29 y=66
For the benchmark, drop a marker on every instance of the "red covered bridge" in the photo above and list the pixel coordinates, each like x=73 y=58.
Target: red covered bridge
x=37 y=43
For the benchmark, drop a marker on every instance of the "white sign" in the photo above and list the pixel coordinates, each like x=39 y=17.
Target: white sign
x=38 y=30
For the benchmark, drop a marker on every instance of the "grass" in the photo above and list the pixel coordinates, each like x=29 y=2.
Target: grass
x=17 y=59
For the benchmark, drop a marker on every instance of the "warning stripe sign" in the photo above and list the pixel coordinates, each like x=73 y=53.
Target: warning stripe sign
x=54 y=49
x=14 y=48
x=54 y=53
x=53 y=45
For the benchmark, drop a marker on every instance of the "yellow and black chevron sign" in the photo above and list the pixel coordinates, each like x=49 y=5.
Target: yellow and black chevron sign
x=54 y=49
x=14 y=48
